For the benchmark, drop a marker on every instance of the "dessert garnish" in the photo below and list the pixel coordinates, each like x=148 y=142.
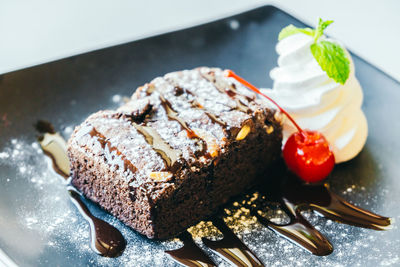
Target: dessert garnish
x=306 y=153
x=330 y=55
x=315 y=82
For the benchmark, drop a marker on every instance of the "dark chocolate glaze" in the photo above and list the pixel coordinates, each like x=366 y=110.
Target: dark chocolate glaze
x=195 y=104
x=231 y=247
x=190 y=254
x=295 y=196
x=43 y=126
x=214 y=118
x=114 y=157
x=298 y=231
x=322 y=200
x=54 y=146
x=105 y=239
x=231 y=92
x=234 y=90
x=173 y=115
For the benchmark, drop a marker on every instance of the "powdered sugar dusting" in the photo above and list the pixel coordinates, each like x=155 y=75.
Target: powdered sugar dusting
x=48 y=220
x=54 y=219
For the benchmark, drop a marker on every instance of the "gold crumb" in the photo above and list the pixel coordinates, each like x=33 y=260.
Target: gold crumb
x=160 y=176
x=254 y=197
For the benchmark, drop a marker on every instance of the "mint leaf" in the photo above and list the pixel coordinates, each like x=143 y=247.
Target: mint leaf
x=330 y=56
x=320 y=28
x=332 y=59
x=290 y=30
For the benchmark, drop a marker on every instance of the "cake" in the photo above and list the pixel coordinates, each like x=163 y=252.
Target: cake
x=181 y=147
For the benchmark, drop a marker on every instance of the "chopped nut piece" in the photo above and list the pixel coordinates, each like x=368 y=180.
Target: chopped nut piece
x=160 y=176
x=269 y=129
x=212 y=145
x=278 y=116
x=243 y=132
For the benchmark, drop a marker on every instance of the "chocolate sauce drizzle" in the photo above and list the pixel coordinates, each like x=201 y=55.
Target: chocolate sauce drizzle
x=190 y=254
x=195 y=104
x=113 y=156
x=231 y=248
x=298 y=231
x=54 y=146
x=214 y=118
x=322 y=200
x=105 y=239
x=293 y=197
x=173 y=115
x=231 y=92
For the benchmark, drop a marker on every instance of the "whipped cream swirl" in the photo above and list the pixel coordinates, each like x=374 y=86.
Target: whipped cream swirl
x=316 y=101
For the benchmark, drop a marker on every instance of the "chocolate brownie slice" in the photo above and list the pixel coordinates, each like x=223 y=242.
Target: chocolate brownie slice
x=179 y=149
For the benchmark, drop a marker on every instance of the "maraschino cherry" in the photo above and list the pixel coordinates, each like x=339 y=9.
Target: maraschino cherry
x=306 y=153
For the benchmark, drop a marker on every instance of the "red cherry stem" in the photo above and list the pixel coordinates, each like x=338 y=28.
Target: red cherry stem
x=230 y=73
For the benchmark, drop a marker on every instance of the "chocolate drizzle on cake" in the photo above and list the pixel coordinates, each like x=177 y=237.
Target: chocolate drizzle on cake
x=173 y=115
x=196 y=105
x=214 y=118
x=105 y=239
x=230 y=91
x=113 y=156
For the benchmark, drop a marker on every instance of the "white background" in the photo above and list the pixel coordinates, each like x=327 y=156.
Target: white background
x=34 y=32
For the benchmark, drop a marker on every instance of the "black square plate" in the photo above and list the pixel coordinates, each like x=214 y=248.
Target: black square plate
x=38 y=224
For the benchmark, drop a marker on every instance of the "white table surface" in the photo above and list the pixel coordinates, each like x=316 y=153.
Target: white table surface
x=34 y=32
